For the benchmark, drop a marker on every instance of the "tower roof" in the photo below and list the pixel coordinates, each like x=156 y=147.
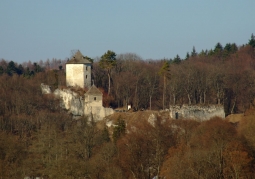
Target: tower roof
x=93 y=90
x=78 y=58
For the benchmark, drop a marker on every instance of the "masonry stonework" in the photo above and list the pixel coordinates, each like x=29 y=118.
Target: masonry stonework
x=200 y=113
x=78 y=71
x=78 y=75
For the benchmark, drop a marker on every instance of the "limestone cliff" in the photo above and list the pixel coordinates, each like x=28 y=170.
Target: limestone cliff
x=76 y=105
x=45 y=89
x=70 y=101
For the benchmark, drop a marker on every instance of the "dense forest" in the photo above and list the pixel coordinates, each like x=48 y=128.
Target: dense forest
x=38 y=138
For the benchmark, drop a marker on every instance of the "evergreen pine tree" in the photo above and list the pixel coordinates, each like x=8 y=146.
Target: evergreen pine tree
x=218 y=48
x=177 y=59
x=1 y=70
x=187 y=56
x=252 y=41
x=193 y=53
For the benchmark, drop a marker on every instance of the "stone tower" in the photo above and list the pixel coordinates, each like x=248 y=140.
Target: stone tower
x=78 y=71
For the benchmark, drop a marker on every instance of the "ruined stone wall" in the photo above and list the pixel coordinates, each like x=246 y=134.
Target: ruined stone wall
x=196 y=112
x=95 y=107
x=97 y=112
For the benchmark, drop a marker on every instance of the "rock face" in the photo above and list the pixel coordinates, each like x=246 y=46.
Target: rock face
x=79 y=105
x=45 y=89
x=70 y=101
x=152 y=118
x=200 y=113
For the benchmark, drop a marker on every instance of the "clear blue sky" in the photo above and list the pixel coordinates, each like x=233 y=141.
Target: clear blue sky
x=41 y=29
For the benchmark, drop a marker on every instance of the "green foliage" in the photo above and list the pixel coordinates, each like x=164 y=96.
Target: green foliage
x=187 y=56
x=176 y=60
x=108 y=60
x=38 y=68
x=202 y=53
x=89 y=59
x=165 y=68
x=20 y=70
x=1 y=70
x=218 y=48
x=119 y=129
x=252 y=41
x=27 y=73
x=11 y=68
x=193 y=53
x=234 y=48
x=210 y=52
x=229 y=49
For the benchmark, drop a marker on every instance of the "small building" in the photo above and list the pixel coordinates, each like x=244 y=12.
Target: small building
x=78 y=71
x=93 y=104
x=94 y=97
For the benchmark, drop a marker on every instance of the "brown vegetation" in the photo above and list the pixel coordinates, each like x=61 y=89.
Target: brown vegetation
x=37 y=138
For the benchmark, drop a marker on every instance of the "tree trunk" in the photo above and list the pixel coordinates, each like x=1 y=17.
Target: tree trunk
x=218 y=97
x=109 y=83
x=164 y=90
x=204 y=97
x=189 y=99
x=135 y=98
x=150 y=102
x=174 y=99
x=233 y=107
x=200 y=98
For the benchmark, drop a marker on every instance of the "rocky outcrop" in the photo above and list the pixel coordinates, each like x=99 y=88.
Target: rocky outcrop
x=70 y=101
x=152 y=119
x=45 y=89
x=74 y=103
x=196 y=112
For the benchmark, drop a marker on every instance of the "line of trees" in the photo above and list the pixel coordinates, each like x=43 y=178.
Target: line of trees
x=223 y=75
x=28 y=69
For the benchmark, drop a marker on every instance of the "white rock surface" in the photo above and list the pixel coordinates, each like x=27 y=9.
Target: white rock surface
x=70 y=101
x=152 y=118
x=45 y=89
x=75 y=104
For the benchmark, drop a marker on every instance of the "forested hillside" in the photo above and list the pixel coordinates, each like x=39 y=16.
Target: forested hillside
x=37 y=138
